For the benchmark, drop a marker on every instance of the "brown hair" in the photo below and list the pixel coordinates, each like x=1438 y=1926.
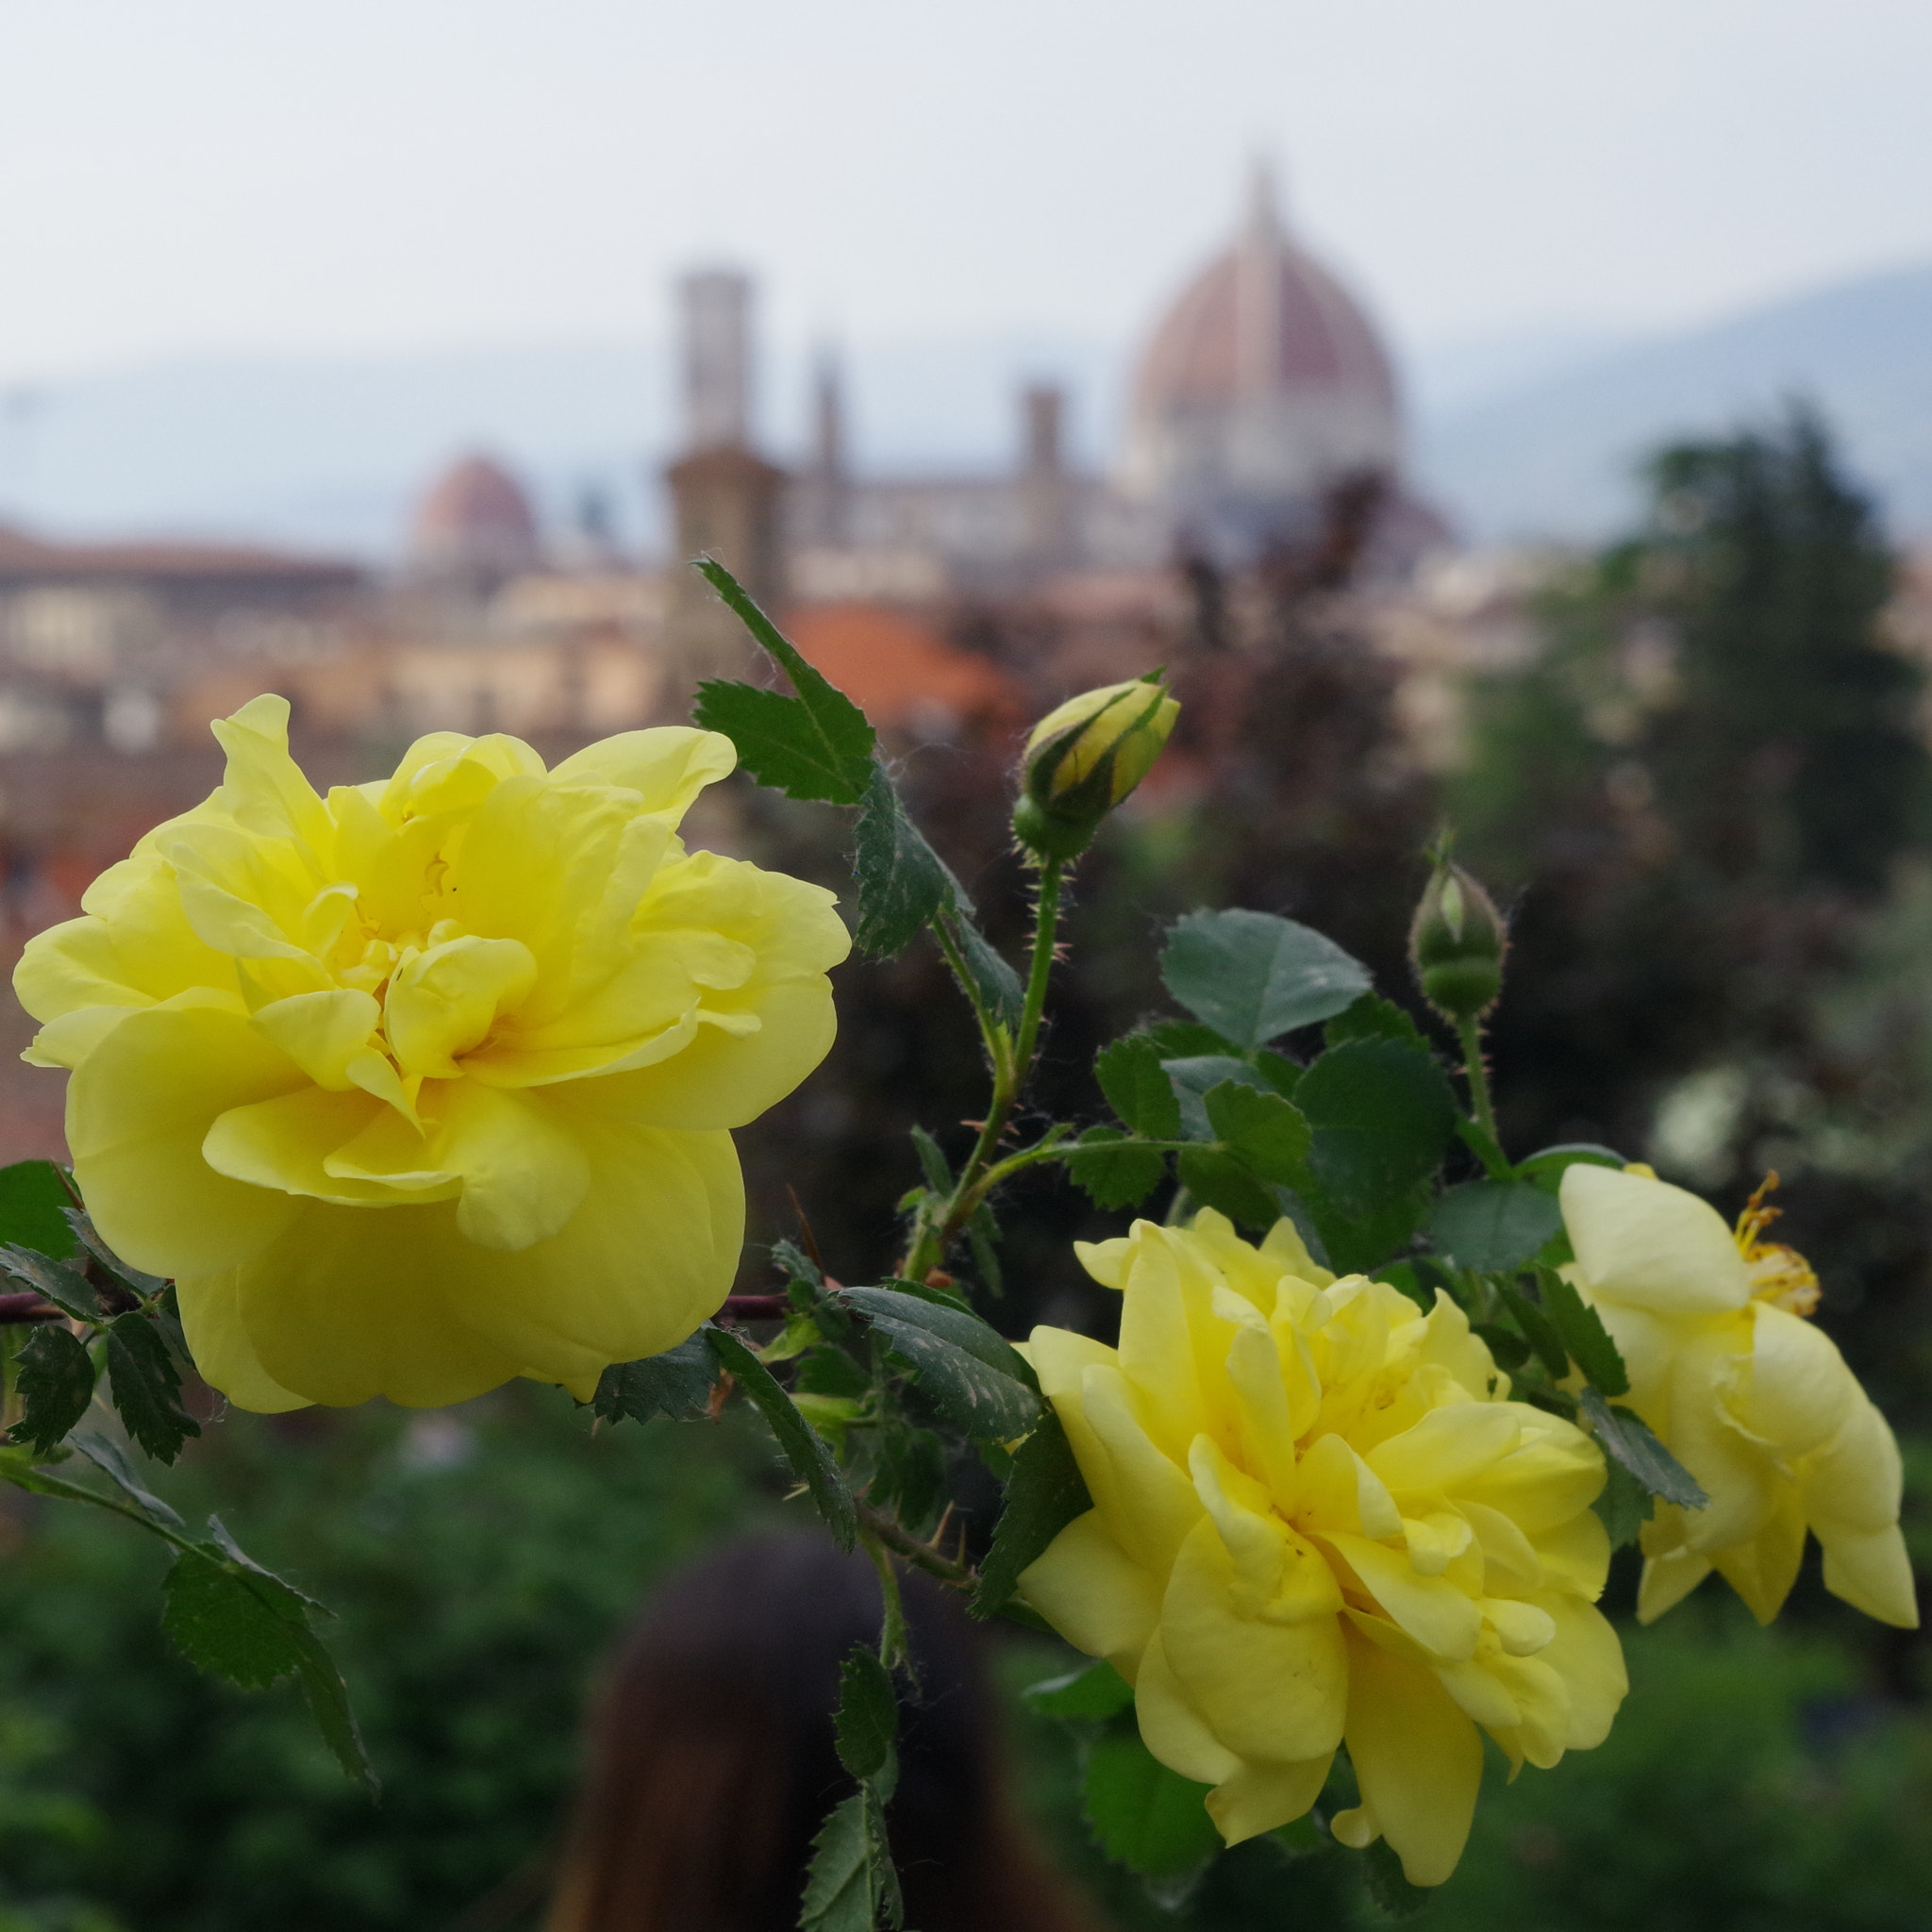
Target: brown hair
x=712 y=1763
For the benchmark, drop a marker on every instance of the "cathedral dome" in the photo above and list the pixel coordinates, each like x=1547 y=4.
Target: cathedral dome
x=1263 y=387
x=475 y=526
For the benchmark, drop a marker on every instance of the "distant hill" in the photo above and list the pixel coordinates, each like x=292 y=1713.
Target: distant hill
x=1553 y=455
x=330 y=452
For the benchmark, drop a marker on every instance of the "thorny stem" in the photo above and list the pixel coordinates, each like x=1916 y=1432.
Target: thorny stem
x=1470 y=1033
x=937 y=1230
x=896 y=1650
x=879 y=1529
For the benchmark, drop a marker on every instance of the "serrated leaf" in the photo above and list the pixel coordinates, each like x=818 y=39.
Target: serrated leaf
x=1623 y=1504
x=66 y=1288
x=1136 y=1087
x=867 y=1719
x=1096 y=1691
x=1190 y=1079
x=901 y=881
x=143 y=1385
x=1540 y=1331
x=1264 y=1132
x=1627 y=1437
x=1044 y=1493
x=229 y=1626
x=56 y=1384
x=89 y=1236
x=932 y=1162
x=827 y=747
x=965 y=1368
x=1114 y=1171
x=1584 y=1334
x=1382 y=1114
x=108 y=1456
x=797 y=1264
x=1220 y=1181
x=1253 y=977
x=1151 y=1819
x=1387 y=1885
x=1372 y=1017
x=1279 y=1071
x=1508 y=1348
x=810 y=1461
x=677 y=1384
x=926 y=1292
x=1493 y=1227
x=1181 y=1039
x=983 y=1241
x=851 y=1885
x=33 y=1209
x=993 y=978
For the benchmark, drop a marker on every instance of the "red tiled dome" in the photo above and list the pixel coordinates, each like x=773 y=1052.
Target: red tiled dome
x=476 y=518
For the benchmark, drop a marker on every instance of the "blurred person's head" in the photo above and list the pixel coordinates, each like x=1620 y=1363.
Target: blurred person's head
x=712 y=1762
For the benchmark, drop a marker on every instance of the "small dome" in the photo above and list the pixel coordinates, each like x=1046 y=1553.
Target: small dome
x=1264 y=385
x=475 y=526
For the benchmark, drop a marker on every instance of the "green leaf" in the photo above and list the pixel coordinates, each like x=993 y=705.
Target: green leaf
x=1584 y=1334
x=33 y=1203
x=1483 y=1145
x=1220 y=1181
x=1508 y=1348
x=825 y=748
x=85 y=1232
x=1264 y=1132
x=1253 y=977
x=108 y=1456
x=932 y=1162
x=1151 y=1819
x=982 y=1240
x=851 y=1886
x=810 y=1461
x=1624 y=1503
x=1546 y=1166
x=231 y=1625
x=56 y=1384
x=967 y=1371
x=677 y=1384
x=1382 y=1114
x=1097 y=1691
x=66 y=1288
x=1044 y=1493
x=1114 y=1171
x=1540 y=1331
x=1387 y=1885
x=867 y=1719
x=925 y=1291
x=1180 y=1040
x=1138 y=1088
x=1626 y=1436
x=902 y=881
x=1279 y=1071
x=1372 y=1017
x=143 y=1384
x=1191 y=1077
x=1493 y=1225
x=996 y=982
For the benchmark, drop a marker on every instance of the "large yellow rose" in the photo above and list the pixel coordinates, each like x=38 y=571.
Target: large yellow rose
x=429 y=1084
x=1749 y=1396
x=1318 y=1520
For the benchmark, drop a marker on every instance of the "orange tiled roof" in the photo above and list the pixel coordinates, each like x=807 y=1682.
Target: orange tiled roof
x=898 y=671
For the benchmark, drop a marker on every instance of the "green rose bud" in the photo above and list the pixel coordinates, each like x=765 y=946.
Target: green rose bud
x=1084 y=758
x=1456 y=944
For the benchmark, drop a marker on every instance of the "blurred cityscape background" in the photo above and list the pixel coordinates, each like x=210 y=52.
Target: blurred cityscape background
x=1512 y=415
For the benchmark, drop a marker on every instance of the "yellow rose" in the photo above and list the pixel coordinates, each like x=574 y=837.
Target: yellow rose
x=1751 y=1398
x=428 y=1085
x=1318 y=1520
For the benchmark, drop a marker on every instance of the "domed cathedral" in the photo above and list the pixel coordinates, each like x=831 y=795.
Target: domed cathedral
x=474 y=530
x=1263 y=396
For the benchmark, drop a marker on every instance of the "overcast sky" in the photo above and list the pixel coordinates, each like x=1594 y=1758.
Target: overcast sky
x=273 y=175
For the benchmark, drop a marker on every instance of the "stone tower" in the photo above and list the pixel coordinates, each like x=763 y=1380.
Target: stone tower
x=725 y=495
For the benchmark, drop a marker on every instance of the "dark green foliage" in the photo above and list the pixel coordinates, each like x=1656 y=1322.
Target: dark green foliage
x=1372 y=1017
x=1148 y=1817
x=810 y=1461
x=1494 y=1225
x=852 y=1886
x=1114 y=1171
x=33 y=1203
x=966 y=1372
x=1095 y=1692
x=994 y=981
x=902 y=881
x=677 y=1383
x=1193 y=1077
x=1389 y=1891
x=1540 y=1331
x=145 y=1387
x=815 y=745
x=1625 y=1504
x=868 y=1718
x=1626 y=1437
x=1226 y=1183
x=54 y=1281
x=1584 y=1335
x=1253 y=977
x=1266 y=1133
x=1136 y=1083
x=56 y=1384
x=1045 y=1492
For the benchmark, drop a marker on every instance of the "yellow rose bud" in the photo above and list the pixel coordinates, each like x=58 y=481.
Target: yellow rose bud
x=1084 y=758
x=1749 y=1396
x=1318 y=1520
x=429 y=1084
